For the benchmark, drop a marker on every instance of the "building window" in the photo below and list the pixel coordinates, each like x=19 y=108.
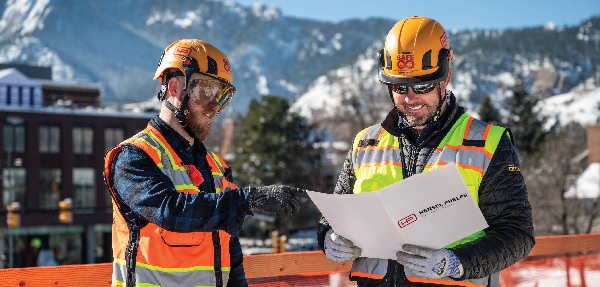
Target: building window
x=13 y=135
x=49 y=139
x=13 y=184
x=113 y=137
x=83 y=183
x=83 y=138
x=50 y=188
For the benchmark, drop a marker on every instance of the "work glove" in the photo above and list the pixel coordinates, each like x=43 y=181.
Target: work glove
x=340 y=249
x=278 y=199
x=430 y=263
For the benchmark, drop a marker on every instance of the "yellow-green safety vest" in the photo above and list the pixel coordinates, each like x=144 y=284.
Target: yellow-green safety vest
x=377 y=163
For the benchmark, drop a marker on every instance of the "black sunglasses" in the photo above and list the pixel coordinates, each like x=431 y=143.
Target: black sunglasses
x=418 y=89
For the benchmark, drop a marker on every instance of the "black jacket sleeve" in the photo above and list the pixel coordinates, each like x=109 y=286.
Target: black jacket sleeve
x=506 y=208
x=344 y=185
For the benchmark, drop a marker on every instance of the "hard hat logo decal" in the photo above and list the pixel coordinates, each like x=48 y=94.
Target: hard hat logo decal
x=227 y=66
x=444 y=41
x=182 y=51
x=187 y=62
x=405 y=62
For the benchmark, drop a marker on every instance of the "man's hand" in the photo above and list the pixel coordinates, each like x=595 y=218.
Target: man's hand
x=430 y=263
x=340 y=249
x=279 y=199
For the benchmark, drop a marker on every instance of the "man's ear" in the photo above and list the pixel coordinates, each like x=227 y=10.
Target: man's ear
x=174 y=87
x=447 y=81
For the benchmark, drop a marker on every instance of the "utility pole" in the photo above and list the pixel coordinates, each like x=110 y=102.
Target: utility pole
x=13 y=220
x=593 y=144
x=13 y=216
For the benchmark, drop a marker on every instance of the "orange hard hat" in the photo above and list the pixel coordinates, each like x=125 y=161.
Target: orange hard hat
x=209 y=60
x=416 y=51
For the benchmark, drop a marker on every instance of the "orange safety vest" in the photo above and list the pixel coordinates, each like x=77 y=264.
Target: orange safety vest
x=153 y=256
x=377 y=162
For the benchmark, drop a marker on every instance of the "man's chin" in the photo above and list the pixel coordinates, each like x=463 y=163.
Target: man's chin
x=201 y=134
x=415 y=122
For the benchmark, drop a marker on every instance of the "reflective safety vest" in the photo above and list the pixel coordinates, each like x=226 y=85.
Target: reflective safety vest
x=377 y=161
x=152 y=256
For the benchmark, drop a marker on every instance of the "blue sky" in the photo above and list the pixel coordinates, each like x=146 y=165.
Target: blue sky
x=466 y=14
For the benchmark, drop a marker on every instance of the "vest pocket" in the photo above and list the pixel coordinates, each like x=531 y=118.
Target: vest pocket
x=182 y=238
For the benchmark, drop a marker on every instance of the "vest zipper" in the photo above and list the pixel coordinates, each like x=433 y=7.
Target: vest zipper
x=217 y=255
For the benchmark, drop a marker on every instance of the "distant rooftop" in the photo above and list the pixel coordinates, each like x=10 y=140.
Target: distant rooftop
x=32 y=72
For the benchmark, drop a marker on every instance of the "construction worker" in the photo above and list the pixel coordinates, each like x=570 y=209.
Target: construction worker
x=176 y=211
x=426 y=129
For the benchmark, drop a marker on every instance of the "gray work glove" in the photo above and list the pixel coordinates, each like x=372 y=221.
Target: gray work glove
x=340 y=249
x=430 y=263
x=279 y=199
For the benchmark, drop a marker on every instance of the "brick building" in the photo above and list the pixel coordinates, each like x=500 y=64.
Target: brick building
x=50 y=152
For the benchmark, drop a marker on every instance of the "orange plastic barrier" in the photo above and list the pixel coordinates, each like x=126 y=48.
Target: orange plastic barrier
x=572 y=260
x=66 y=275
x=581 y=270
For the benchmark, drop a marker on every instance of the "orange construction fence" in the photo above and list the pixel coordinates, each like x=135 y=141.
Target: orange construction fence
x=569 y=260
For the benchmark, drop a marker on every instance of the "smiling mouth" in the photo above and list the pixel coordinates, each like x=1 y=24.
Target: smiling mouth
x=414 y=108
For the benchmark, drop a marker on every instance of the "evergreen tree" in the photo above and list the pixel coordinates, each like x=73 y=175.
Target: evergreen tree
x=487 y=112
x=524 y=121
x=274 y=146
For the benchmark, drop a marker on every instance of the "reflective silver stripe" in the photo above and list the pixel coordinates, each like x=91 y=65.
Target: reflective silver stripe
x=466 y=157
x=218 y=182
x=493 y=279
x=168 y=276
x=476 y=130
x=476 y=158
x=378 y=267
x=380 y=152
x=372 y=132
x=375 y=155
x=369 y=266
x=217 y=175
x=178 y=174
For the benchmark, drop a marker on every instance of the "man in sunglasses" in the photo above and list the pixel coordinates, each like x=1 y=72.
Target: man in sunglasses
x=424 y=130
x=176 y=211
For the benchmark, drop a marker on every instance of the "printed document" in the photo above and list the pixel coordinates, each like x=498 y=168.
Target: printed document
x=430 y=209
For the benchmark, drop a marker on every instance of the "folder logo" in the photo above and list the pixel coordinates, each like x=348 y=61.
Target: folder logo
x=407 y=220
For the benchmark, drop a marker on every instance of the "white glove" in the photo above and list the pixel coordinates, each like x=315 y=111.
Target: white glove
x=430 y=263
x=340 y=249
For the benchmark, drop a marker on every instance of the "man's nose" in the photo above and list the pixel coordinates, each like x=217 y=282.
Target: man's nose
x=213 y=105
x=410 y=95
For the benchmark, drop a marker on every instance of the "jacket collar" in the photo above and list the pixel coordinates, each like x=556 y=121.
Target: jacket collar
x=179 y=144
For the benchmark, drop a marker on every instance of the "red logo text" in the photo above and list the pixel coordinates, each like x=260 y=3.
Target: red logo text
x=182 y=51
x=444 y=41
x=227 y=66
x=407 y=220
x=405 y=61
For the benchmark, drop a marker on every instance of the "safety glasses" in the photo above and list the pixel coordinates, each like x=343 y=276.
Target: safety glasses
x=212 y=88
x=418 y=89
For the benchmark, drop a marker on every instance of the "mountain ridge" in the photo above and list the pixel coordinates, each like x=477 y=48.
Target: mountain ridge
x=118 y=44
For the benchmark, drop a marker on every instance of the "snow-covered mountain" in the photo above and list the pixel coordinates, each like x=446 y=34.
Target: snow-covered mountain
x=117 y=44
